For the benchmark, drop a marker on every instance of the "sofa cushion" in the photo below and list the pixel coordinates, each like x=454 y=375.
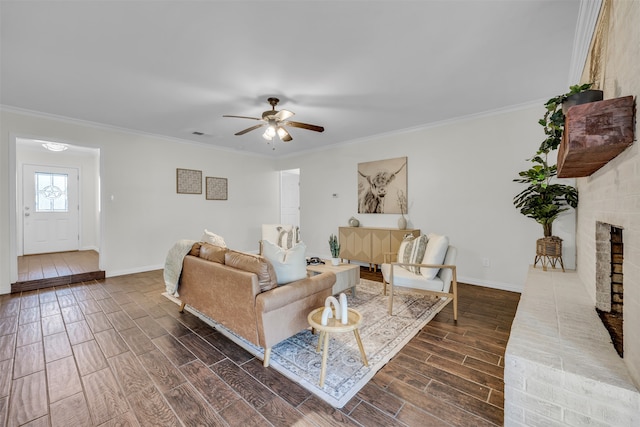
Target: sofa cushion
x=212 y=252
x=253 y=264
x=290 y=264
x=435 y=253
x=405 y=278
x=213 y=238
x=413 y=251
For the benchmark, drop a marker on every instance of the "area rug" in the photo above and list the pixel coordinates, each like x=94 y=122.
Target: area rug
x=382 y=336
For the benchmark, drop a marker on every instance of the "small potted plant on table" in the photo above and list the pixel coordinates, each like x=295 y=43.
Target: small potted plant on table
x=334 y=246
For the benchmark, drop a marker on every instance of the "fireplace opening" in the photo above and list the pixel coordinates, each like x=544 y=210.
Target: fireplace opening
x=610 y=292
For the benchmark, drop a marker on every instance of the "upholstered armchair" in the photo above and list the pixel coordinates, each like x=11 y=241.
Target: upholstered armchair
x=430 y=269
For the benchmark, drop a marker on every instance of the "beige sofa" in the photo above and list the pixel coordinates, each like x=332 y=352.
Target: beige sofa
x=239 y=291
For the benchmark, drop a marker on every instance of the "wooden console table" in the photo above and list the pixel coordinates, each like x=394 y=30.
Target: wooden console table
x=369 y=244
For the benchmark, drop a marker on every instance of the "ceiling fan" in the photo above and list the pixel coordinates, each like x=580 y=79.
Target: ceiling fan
x=275 y=121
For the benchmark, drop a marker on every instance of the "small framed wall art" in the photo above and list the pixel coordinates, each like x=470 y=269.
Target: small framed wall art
x=189 y=181
x=216 y=188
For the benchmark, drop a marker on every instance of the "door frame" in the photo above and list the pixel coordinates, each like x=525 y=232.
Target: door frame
x=13 y=200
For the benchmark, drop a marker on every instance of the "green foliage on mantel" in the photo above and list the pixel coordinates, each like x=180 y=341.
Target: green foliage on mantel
x=544 y=200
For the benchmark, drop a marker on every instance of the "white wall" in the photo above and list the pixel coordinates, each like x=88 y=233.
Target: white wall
x=459 y=184
x=145 y=216
x=87 y=163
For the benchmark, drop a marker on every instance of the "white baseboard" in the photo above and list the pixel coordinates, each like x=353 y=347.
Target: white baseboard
x=490 y=284
x=133 y=270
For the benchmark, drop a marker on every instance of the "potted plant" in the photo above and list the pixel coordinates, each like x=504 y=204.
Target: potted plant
x=544 y=200
x=334 y=246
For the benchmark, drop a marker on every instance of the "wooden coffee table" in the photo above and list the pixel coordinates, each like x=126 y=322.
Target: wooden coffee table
x=335 y=326
x=347 y=275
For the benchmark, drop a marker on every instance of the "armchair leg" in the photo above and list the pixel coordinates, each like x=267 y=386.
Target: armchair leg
x=182 y=307
x=391 y=301
x=454 y=285
x=267 y=357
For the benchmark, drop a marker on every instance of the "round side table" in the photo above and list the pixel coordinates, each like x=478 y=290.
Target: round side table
x=335 y=326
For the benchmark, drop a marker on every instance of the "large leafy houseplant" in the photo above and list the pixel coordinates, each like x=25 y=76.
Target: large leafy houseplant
x=544 y=200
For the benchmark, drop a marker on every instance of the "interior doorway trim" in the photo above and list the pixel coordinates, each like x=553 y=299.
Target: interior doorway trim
x=13 y=199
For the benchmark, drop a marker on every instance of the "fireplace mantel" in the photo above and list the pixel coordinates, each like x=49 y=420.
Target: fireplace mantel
x=560 y=365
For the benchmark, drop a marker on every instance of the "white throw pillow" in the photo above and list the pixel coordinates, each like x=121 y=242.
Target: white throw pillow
x=436 y=251
x=413 y=251
x=214 y=239
x=290 y=264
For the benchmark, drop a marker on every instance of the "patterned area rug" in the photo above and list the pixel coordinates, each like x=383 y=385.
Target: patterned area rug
x=382 y=336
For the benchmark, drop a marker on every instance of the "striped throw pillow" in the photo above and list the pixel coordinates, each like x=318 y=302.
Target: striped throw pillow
x=414 y=252
x=287 y=239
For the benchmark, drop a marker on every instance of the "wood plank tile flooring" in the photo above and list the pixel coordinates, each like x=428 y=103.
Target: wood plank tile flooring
x=116 y=352
x=56 y=269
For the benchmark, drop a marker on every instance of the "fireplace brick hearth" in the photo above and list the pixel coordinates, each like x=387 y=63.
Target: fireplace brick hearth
x=560 y=365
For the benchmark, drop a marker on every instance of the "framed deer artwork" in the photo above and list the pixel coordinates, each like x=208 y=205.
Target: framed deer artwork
x=382 y=186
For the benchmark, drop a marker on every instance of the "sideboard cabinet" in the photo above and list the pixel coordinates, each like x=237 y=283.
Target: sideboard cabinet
x=369 y=244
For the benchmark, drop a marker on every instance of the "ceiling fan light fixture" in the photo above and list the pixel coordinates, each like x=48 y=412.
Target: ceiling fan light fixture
x=276 y=123
x=271 y=131
x=281 y=132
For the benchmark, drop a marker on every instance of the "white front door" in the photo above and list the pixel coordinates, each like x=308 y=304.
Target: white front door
x=50 y=209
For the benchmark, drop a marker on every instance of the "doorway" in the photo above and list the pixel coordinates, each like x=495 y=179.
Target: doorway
x=57 y=214
x=290 y=197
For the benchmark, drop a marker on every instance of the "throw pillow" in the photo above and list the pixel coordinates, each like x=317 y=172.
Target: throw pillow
x=287 y=238
x=214 y=239
x=256 y=264
x=435 y=253
x=413 y=252
x=290 y=264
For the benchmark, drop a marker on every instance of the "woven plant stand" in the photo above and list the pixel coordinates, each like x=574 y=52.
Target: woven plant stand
x=549 y=252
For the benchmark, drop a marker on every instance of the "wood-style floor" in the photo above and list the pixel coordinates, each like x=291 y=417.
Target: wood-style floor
x=55 y=269
x=116 y=352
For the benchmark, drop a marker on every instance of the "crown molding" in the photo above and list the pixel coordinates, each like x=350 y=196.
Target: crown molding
x=587 y=19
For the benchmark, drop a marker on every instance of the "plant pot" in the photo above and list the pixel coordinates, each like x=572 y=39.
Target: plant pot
x=335 y=261
x=582 y=98
x=549 y=246
x=402 y=223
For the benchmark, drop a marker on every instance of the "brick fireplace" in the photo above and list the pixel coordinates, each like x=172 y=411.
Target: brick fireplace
x=560 y=365
x=610 y=281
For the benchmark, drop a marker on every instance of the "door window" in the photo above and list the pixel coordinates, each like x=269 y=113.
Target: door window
x=51 y=192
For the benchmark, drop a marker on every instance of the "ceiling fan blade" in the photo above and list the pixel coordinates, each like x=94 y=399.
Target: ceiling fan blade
x=283 y=115
x=242 y=132
x=283 y=134
x=305 y=126
x=242 y=117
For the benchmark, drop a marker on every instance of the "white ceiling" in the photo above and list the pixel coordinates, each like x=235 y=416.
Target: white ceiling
x=358 y=68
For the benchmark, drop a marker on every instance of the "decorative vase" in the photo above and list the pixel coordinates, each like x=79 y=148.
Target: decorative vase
x=335 y=261
x=402 y=223
x=353 y=222
x=590 y=95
